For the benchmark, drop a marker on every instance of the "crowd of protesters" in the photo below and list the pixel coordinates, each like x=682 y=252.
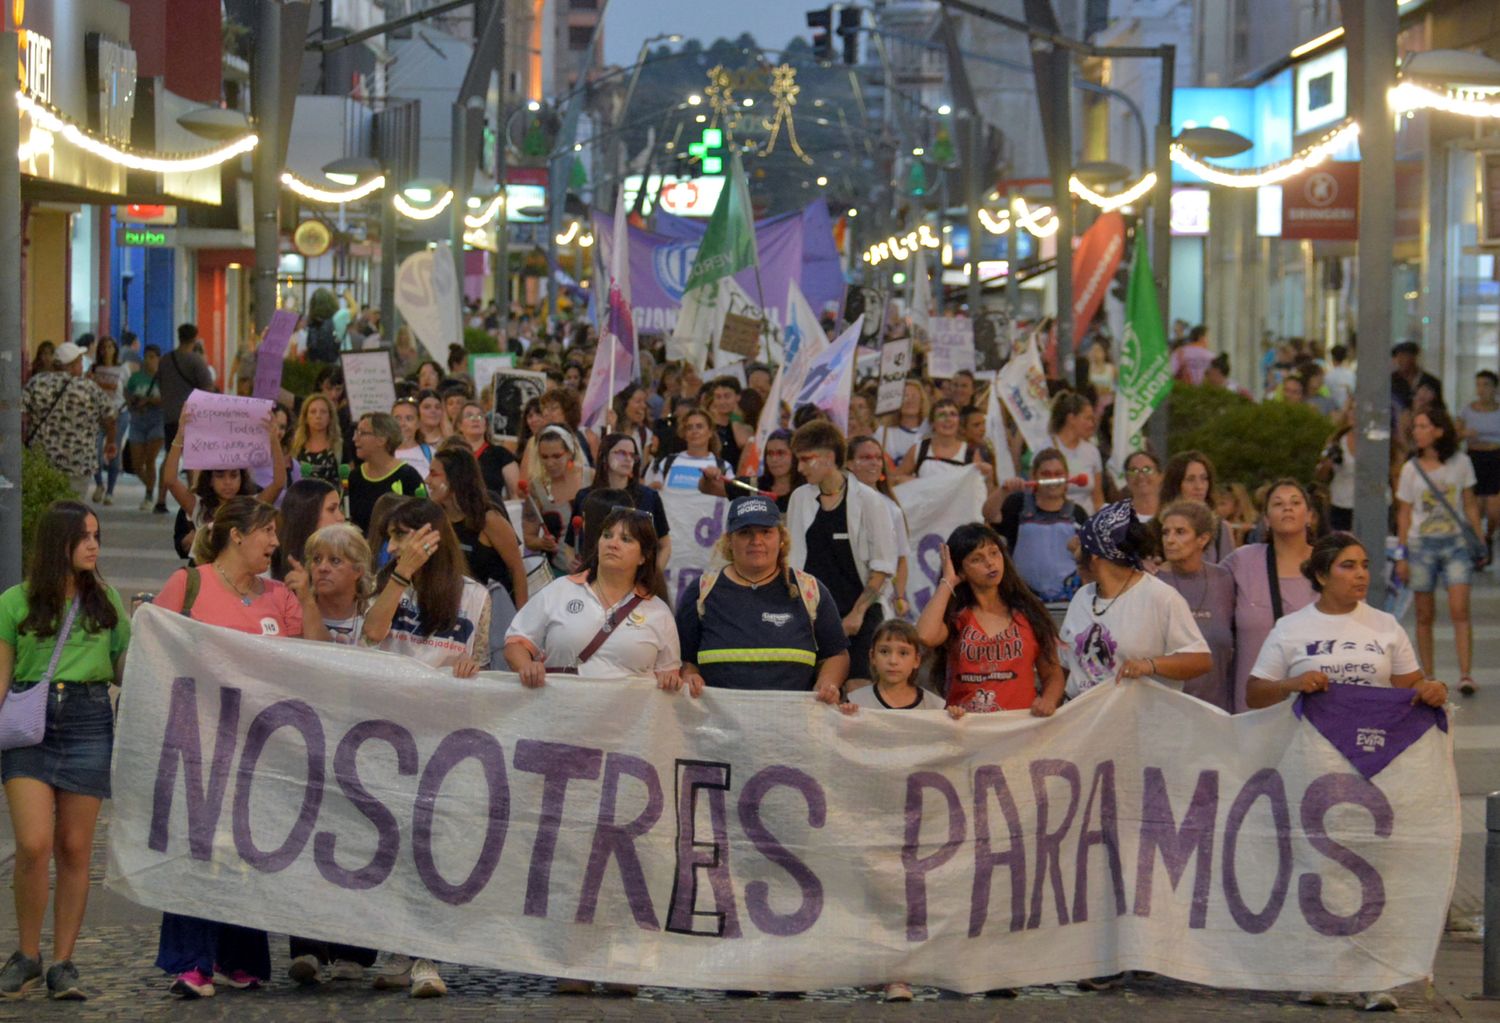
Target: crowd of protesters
x=394 y=530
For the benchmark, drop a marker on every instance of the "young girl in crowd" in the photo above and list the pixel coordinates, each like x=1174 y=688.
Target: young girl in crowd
x=211 y=488
x=64 y=629
x=998 y=642
x=413 y=449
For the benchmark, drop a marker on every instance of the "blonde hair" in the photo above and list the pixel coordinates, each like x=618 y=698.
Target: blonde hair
x=535 y=471
x=344 y=541
x=724 y=553
x=335 y=435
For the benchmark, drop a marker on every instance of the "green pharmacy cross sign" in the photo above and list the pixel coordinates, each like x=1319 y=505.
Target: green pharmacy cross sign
x=710 y=150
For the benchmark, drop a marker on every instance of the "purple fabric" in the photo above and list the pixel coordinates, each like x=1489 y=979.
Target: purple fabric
x=1252 y=609
x=1369 y=725
x=794 y=246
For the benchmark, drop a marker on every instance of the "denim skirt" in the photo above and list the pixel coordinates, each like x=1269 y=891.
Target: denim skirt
x=74 y=753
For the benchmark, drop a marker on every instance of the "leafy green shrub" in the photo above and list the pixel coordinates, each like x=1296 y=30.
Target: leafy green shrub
x=41 y=484
x=300 y=377
x=1193 y=408
x=1255 y=444
x=478 y=341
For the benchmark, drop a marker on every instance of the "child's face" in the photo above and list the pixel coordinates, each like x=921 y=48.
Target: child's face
x=894 y=660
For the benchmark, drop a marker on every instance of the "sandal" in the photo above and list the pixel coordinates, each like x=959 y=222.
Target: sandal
x=1466 y=686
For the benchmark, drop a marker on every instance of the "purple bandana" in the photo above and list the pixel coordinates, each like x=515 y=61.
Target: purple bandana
x=1369 y=725
x=1102 y=534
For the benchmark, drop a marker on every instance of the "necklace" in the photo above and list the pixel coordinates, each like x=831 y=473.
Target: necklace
x=1094 y=600
x=245 y=598
x=610 y=609
x=755 y=584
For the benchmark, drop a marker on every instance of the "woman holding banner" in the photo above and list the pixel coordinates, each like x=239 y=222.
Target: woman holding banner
x=232 y=591
x=1187 y=529
x=945 y=451
x=63 y=630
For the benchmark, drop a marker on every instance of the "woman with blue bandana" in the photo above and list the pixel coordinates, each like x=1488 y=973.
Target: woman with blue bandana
x=1126 y=623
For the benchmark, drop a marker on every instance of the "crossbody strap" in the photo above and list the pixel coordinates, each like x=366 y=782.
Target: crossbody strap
x=609 y=627
x=62 y=639
x=37 y=426
x=1273 y=580
x=1463 y=525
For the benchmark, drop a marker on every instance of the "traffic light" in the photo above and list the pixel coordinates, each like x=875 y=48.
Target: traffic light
x=709 y=150
x=821 y=23
x=849 y=21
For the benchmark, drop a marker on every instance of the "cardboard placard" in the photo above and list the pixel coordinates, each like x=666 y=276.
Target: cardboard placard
x=741 y=335
x=895 y=364
x=225 y=431
x=367 y=381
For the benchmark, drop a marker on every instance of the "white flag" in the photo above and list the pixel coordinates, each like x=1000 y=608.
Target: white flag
x=921 y=295
x=1023 y=388
x=830 y=378
x=803 y=338
x=994 y=426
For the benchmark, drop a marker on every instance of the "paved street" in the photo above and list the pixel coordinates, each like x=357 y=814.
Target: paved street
x=119 y=940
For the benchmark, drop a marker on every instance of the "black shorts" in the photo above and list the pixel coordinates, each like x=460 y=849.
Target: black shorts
x=861 y=641
x=1486 y=472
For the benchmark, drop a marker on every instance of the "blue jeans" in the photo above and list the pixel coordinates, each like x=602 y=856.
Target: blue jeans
x=112 y=468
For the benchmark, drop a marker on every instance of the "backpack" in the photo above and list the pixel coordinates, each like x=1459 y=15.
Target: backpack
x=322 y=345
x=807 y=588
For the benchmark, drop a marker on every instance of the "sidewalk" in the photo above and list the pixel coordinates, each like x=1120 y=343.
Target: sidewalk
x=119 y=940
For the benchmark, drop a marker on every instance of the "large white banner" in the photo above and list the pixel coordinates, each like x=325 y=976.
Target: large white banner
x=427 y=298
x=612 y=831
x=934 y=508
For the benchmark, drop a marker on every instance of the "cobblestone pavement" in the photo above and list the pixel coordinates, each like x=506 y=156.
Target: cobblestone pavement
x=118 y=945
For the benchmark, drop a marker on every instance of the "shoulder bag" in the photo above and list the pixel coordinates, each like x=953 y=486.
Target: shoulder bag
x=23 y=716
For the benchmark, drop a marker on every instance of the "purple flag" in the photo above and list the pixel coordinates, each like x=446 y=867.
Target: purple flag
x=795 y=246
x=271 y=353
x=1369 y=725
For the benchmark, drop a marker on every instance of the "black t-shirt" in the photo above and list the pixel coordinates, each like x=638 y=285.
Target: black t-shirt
x=742 y=624
x=364 y=492
x=830 y=558
x=729 y=447
x=492 y=462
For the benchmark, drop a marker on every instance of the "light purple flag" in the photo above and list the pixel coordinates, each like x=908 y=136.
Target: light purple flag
x=831 y=377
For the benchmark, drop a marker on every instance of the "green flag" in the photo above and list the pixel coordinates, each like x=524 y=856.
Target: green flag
x=1145 y=377
x=729 y=243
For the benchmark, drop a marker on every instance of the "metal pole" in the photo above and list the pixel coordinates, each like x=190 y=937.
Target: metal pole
x=390 y=319
x=502 y=225
x=266 y=163
x=974 y=188
x=1491 y=894
x=11 y=343
x=463 y=180
x=1062 y=201
x=1012 y=255
x=1161 y=233
x=1376 y=39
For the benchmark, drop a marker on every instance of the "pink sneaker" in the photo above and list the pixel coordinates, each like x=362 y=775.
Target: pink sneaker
x=193 y=984
x=237 y=979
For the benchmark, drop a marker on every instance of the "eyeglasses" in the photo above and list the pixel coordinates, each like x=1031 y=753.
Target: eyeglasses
x=1141 y=470
x=635 y=513
x=473 y=417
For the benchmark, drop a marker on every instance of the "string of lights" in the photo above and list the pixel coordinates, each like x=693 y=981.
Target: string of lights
x=1113 y=202
x=1409 y=96
x=48 y=120
x=313 y=193
x=1272 y=174
x=406 y=209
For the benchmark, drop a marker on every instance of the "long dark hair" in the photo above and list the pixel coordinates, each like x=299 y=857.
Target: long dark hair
x=766 y=481
x=1014 y=593
x=208 y=499
x=639 y=525
x=1177 y=467
x=465 y=484
x=1446 y=446
x=607 y=445
x=301 y=509
x=58 y=533
x=440 y=582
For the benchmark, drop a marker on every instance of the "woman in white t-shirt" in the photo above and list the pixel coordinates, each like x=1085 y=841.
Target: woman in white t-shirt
x=1126 y=623
x=700 y=465
x=907 y=427
x=1072 y=425
x=414 y=451
x=614 y=611
x=1338 y=639
x=1435 y=505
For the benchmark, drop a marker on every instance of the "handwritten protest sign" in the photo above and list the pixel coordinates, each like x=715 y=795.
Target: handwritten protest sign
x=225 y=431
x=270 y=356
x=952 y=347
x=367 y=381
x=895 y=364
x=615 y=832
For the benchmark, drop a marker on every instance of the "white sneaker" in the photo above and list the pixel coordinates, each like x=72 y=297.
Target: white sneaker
x=146 y=505
x=98 y=494
x=304 y=970
x=396 y=973
x=425 y=982
x=109 y=498
x=1380 y=1001
x=346 y=969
